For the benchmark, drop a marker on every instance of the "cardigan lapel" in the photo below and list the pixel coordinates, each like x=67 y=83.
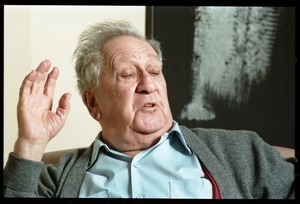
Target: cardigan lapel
x=72 y=184
x=219 y=172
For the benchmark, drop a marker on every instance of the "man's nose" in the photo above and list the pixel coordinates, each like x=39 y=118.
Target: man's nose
x=146 y=84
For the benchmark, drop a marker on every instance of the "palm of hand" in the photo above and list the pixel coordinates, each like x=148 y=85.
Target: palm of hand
x=36 y=121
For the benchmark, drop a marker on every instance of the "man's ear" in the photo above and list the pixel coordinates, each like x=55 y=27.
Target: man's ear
x=91 y=104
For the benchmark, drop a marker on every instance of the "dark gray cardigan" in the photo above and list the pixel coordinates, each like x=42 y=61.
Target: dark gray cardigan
x=241 y=163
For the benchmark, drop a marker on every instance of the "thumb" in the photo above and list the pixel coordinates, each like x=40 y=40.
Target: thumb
x=64 y=106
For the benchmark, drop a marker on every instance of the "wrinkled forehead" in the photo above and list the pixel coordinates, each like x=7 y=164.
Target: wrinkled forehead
x=125 y=49
x=135 y=56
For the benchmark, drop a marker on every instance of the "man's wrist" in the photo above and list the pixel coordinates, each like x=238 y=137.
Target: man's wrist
x=29 y=149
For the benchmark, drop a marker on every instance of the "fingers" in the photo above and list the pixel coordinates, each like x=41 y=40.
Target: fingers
x=34 y=82
x=64 y=106
x=44 y=66
x=41 y=75
x=50 y=83
x=25 y=88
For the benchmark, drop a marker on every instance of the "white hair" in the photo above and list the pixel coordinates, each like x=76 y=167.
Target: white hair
x=88 y=56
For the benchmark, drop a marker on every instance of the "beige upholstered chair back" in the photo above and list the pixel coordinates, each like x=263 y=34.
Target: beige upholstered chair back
x=53 y=157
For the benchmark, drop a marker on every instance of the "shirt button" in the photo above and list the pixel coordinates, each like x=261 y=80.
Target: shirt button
x=140 y=196
x=136 y=165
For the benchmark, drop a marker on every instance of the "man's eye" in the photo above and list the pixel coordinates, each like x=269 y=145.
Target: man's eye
x=127 y=74
x=154 y=72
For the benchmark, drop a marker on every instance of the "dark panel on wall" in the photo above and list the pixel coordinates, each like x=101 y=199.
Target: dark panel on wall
x=232 y=68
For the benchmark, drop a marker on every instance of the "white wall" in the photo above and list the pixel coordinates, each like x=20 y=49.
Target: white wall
x=35 y=33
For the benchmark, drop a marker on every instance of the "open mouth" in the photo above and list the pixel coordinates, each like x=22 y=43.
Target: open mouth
x=149 y=105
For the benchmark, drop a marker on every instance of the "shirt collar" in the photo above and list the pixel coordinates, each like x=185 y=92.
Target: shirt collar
x=175 y=129
x=178 y=132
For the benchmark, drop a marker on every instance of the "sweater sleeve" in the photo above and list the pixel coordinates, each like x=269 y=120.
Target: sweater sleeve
x=274 y=175
x=243 y=165
x=21 y=177
x=257 y=168
x=27 y=178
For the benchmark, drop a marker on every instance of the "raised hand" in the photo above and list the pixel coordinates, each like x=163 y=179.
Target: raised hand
x=37 y=123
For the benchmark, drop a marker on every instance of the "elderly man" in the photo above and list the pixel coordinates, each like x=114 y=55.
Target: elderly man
x=141 y=151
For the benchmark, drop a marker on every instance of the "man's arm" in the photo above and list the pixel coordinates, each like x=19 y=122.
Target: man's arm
x=37 y=123
x=21 y=177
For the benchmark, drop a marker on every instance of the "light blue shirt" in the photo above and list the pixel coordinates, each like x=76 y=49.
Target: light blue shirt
x=168 y=169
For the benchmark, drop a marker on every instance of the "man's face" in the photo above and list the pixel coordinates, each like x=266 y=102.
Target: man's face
x=132 y=96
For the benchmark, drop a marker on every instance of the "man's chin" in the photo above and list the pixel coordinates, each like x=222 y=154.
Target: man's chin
x=151 y=126
x=146 y=130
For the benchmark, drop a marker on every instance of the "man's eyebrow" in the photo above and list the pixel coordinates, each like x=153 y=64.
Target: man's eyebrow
x=153 y=56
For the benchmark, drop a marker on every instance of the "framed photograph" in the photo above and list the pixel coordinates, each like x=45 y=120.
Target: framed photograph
x=229 y=67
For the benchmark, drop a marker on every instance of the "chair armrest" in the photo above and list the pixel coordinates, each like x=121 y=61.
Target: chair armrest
x=285 y=152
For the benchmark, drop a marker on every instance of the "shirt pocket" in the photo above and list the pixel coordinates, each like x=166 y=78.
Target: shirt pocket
x=102 y=194
x=191 y=188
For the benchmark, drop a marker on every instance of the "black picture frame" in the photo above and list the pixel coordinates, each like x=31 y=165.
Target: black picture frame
x=270 y=110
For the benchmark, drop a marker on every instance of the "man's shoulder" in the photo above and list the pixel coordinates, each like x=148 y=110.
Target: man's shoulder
x=224 y=145
x=220 y=140
x=218 y=134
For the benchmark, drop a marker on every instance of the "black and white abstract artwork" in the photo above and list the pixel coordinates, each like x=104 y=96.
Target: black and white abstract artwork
x=230 y=67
